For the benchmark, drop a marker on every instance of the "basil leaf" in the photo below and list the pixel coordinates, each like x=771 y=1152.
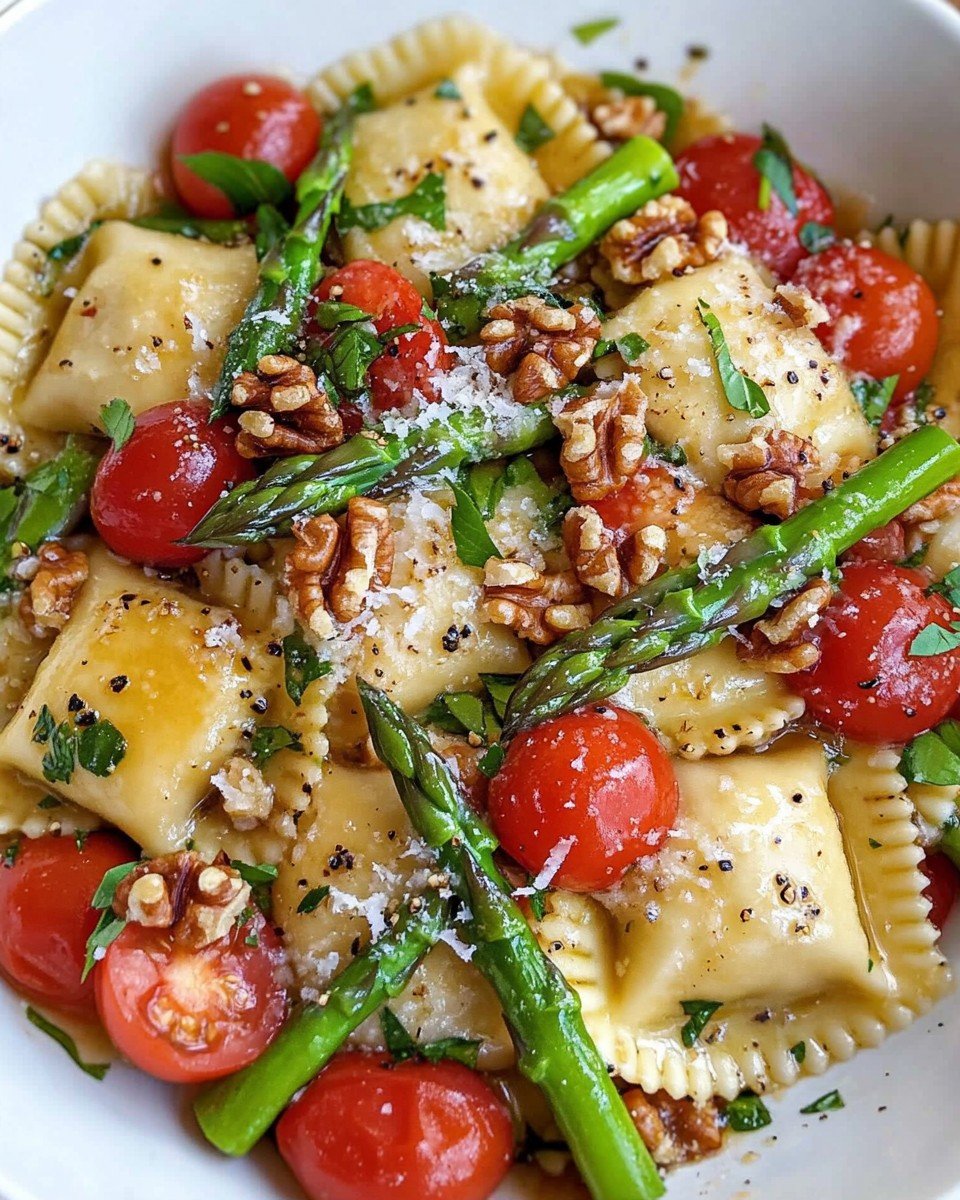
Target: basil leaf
x=499 y=689
x=62 y=1038
x=49 y=802
x=534 y=132
x=45 y=725
x=272 y=228
x=349 y=355
x=933 y=639
x=746 y=1113
x=676 y=456
x=70 y=247
x=589 y=31
x=459 y=1049
x=437 y=714
x=59 y=761
x=301 y=665
x=401 y=1046
x=742 y=393
x=330 y=313
x=631 y=346
x=934 y=756
x=799 y=1051
x=667 y=99
x=923 y=396
x=474 y=545
x=699 y=1012
x=463 y=712
x=490 y=764
x=222 y=232
x=486 y=482
x=269 y=740
x=118 y=422
x=874 y=395
x=446 y=89
x=427 y=201
x=816 y=237
x=775 y=164
x=538 y=901
x=107 y=930
x=949 y=586
x=553 y=502
x=100 y=748
x=107 y=888
x=830 y=1102
x=314 y=898
x=246 y=182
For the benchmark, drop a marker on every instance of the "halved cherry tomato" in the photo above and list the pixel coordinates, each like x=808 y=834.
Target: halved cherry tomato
x=157 y=487
x=189 y=1015
x=886 y=544
x=371 y=1129
x=883 y=315
x=593 y=788
x=718 y=172
x=867 y=684
x=653 y=496
x=250 y=116
x=942 y=888
x=46 y=918
x=389 y=297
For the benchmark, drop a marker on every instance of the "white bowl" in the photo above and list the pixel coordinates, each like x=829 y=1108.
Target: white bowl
x=866 y=92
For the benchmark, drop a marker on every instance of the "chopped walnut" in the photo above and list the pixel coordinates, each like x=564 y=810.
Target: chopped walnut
x=46 y=604
x=247 y=797
x=777 y=643
x=799 y=305
x=537 y=606
x=604 y=436
x=674 y=1131
x=546 y=346
x=600 y=564
x=335 y=566
x=619 y=118
x=285 y=410
x=772 y=473
x=944 y=502
x=199 y=901
x=665 y=237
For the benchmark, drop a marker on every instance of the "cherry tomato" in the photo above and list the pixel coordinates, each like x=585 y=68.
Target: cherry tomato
x=371 y=1129
x=883 y=315
x=189 y=1015
x=718 y=172
x=886 y=544
x=171 y=471
x=592 y=790
x=389 y=297
x=942 y=888
x=651 y=497
x=867 y=684
x=46 y=918
x=249 y=116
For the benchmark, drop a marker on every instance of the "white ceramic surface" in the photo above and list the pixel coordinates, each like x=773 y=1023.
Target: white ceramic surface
x=867 y=91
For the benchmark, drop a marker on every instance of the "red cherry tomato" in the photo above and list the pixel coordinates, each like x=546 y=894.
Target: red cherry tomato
x=718 y=172
x=189 y=1015
x=867 y=684
x=651 y=497
x=46 y=918
x=594 y=786
x=389 y=297
x=249 y=116
x=886 y=544
x=942 y=888
x=883 y=315
x=370 y=1129
x=171 y=471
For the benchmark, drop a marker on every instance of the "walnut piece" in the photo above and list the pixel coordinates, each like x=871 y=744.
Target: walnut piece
x=939 y=504
x=798 y=303
x=545 y=346
x=336 y=565
x=619 y=118
x=247 y=798
x=603 y=565
x=604 y=436
x=537 y=606
x=198 y=901
x=777 y=643
x=665 y=237
x=674 y=1131
x=47 y=602
x=772 y=473
x=285 y=410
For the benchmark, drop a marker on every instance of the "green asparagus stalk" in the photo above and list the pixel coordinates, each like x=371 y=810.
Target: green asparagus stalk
x=236 y=1112
x=542 y=1012
x=312 y=484
x=679 y=614
x=638 y=171
x=289 y=272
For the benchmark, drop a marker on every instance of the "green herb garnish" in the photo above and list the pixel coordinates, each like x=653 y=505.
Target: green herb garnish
x=314 y=898
x=741 y=392
x=109 y=925
x=534 y=132
x=246 y=182
x=589 y=31
x=874 y=395
x=799 y=1052
x=302 y=665
x=934 y=756
x=401 y=1046
x=815 y=237
x=427 y=201
x=269 y=740
x=830 y=1102
x=446 y=89
x=474 y=544
x=775 y=164
x=699 y=1013
x=62 y=1038
x=746 y=1113
x=118 y=422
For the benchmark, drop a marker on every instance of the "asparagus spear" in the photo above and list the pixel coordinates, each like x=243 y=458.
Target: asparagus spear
x=311 y=484
x=542 y=1012
x=288 y=273
x=674 y=617
x=236 y=1112
x=637 y=172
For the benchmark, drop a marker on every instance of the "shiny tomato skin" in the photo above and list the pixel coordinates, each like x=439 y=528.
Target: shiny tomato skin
x=883 y=315
x=371 y=1129
x=157 y=487
x=943 y=887
x=46 y=917
x=866 y=684
x=886 y=544
x=650 y=497
x=187 y=1016
x=389 y=297
x=718 y=172
x=411 y=363
x=249 y=116
x=598 y=780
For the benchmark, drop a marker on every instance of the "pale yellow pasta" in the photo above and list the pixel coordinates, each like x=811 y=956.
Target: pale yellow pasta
x=254 y=592
x=934 y=807
x=699 y=120
x=943 y=551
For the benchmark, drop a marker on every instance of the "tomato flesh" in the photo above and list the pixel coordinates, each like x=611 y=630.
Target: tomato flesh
x=591 y=790
x=389 y=297
x=46 y=915
x=867 y=684
x=943 y=887
x=250 y=116
x=883 y=315
x=371 y=1129
x=886 y=544
x=650 y=497
x=190 y=1015
x=157 y=487
x=718 y=172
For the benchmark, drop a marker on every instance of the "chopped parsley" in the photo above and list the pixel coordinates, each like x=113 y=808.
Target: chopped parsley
x=98 y=747
x=314 y=898
x=874 y=396
x=62 y=1038
x=830 y=1102
x=699 y=1013
x=491 y=762
x=815 y=237
x=401 y=1046
x=746 y=1113
x=118 y=422
x=589 y=31
x=302 y=665
x=534 y=132
x=630 y=347
x=741 y=392
x=799 y=1052
x=109 y=925
x=933 y=756
x=775 y=164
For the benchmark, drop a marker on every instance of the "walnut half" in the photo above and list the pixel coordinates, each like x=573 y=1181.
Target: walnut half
x=603 y=565
x=773 y=473
x=46 y=604
x=537 y=606
x=285 y=410
x=665 y=237
x=545 y=346
x=777 y=643
x=674 y=1131
x=604 y=436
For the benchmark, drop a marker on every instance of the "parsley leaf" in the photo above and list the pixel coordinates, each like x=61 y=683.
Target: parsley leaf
x=534 y=132
x=874 y=395
x=314 y=898
x=474 y=545
x=100 y=747
x=667 y=99
x=499 y=689
x=741 y=392
x=401 y=1046
x=934 y=756
x=746 y=1113
x=246 y=182
x=775 y=164
x=46 y=724
x=490 y=764
x=553 y=502
x=272 y=228
x=949 y=586
x=109 y=925
x=815 y=237
x=830 y=1102
x=269 y=740
x=934 y=639
x=428 y=201
x=589 y=31
x=118 y=422
x=446 y=89
x=699 y=1012
x=59 y=761
x=62 y=1038
x=301 y=664
x=799 y=1052
x=676 y=456
x=261 y=877
x=631 y=346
